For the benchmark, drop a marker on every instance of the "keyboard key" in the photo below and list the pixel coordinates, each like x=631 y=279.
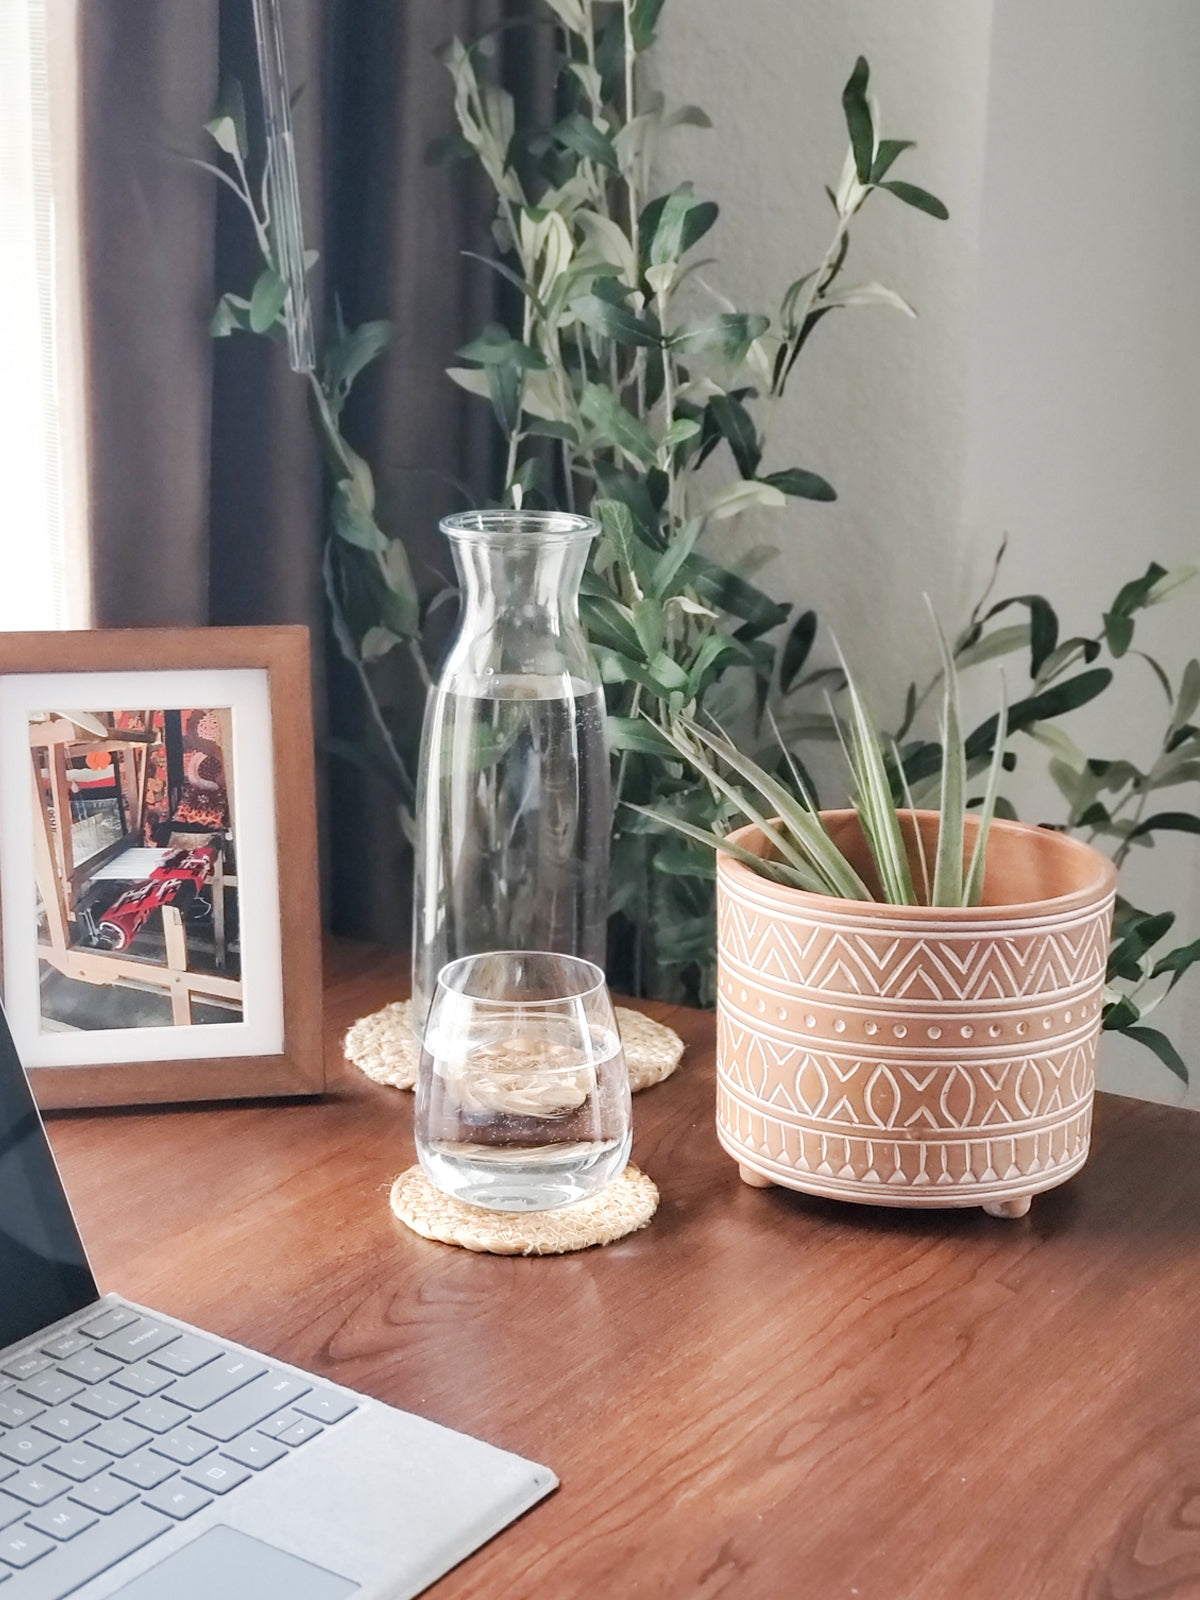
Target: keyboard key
x=274 y=1426
x=301 y=1432
x=144 y=1470
x=252 y=1450
x=101 y=1548
x=119 y=1438
x=185 y=1445
x=21 y=1547
x=325 y=1406
x=178 y=1499
x=89 y=1366
x=106 y=1494
x=11 y=1510
x=78 y=1462
x=216 y=1381
x=188 y=1354
x=143 y=1379
x=52 y=1388
x=66 y=1344
x=219 y=1475
x=65 y=1423
x=62 y=1521
x=15 y=1410
x=160 y=1416
x=36 y=1486
x=109 y=1321
x=139 y=1338
x=25 y=1447
x=27 y=1365
x=249 y=1406
x=104 y=1401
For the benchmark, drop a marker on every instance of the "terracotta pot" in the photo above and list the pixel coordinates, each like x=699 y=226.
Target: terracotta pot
x=914 y=1055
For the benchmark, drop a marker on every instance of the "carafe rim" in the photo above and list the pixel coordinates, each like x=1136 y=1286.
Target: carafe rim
x=508 y=526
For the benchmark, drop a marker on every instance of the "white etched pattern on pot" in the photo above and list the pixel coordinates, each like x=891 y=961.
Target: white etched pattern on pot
x=824 y=1089
x=947 y=1171
x=931 y=969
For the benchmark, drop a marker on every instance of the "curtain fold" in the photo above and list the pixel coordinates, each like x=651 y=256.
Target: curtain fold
x=206 y=486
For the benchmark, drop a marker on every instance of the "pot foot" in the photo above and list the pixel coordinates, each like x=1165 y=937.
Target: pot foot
x=1017 y=1207
x=756 y=1180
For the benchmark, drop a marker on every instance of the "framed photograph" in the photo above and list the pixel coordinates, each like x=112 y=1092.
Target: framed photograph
x=159 y=917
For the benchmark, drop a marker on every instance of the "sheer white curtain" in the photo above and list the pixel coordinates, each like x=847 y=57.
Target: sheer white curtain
x=43 y=544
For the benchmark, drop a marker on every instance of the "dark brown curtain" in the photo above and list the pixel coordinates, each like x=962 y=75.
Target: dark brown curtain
x=207 y=498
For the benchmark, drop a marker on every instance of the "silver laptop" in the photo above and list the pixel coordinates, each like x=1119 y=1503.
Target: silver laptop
x=143 y=1459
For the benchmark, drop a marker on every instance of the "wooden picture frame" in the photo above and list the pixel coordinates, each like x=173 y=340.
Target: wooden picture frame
x=159 y=907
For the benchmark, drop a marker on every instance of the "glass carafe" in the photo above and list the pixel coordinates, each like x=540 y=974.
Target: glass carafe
x=513 y=798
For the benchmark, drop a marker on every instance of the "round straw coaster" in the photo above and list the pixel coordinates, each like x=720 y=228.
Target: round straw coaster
x=621 y=1209
x=382 y=1046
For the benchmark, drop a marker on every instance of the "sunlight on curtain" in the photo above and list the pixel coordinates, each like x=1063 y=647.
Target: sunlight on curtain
x=43 y=575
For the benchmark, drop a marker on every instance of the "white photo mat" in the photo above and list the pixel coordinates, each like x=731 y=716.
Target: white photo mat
x=245 y=692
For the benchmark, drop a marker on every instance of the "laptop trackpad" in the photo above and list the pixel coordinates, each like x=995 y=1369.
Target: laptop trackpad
x=233 y=1566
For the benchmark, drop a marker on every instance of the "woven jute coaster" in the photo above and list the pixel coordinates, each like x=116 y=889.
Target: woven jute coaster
x=382 y=1046
x=621 y=1209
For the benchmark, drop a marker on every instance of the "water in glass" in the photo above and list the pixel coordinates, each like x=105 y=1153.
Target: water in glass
x=522 y=1094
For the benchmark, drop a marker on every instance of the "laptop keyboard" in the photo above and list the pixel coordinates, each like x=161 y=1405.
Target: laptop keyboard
x=119 y=1429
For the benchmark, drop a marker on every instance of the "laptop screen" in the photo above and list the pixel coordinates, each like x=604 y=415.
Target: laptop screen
x=44 y=1273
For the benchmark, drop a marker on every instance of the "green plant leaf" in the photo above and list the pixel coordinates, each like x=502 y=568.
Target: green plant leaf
x=621 y=534
x=873 y=799
x=801 y=484
x=357 y=350
x=973 y=889
x=227 y=125
x=731 y=334
x=650 y=623
x=1177 y=962
x=1156 y=1041
x=1140 y=932
x=913 y=196
x=266 y=300
x=643 y=18
x=727 y=590
x=886 y=153
x=1118 y=631
x=504 y=386
x=611 y=420
x=579 y=134
x=496 y=347
x=796 y=648
x=1166 y=822
x=672 y=224
x=948 y=863
x=352 y=520
x=858 y=119
x=231 y=315
x=777 y=871
x=639 y=736
x=737 y=426
x=670 y=564
x=616 y=322
x=1054 y=702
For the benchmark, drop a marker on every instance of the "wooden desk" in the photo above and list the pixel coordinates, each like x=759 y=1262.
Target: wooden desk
x=761 y=1397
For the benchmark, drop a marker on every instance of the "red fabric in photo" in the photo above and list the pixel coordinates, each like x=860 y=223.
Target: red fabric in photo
x=182 y=870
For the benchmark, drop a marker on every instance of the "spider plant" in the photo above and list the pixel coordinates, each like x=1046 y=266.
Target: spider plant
x=804 y=853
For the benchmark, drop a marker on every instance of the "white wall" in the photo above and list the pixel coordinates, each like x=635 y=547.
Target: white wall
x=1051 y=387
x=1086 y=399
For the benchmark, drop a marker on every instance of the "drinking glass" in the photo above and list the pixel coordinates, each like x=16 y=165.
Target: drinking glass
x=522 y=1093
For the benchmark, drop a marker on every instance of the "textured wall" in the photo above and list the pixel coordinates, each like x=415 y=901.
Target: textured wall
x=1086 y=396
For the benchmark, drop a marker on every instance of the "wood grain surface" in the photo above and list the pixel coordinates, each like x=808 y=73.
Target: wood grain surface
x=763 y=1396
